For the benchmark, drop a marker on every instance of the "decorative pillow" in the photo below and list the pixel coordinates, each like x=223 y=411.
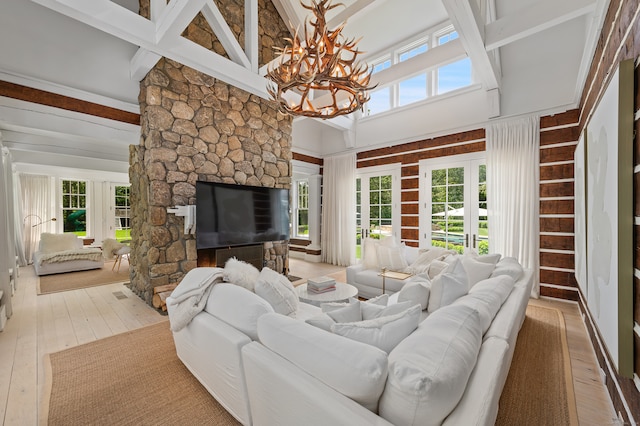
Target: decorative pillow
x=436 y=268
x=476 y=270
x=508 y=266
x=370 y=311
x=391 y=258
x=51 y=243
x=451 y=284
x=350 y=312
x=502 y=285
x=238 y=307
x=370 y=253
x=277 y=290
x=322 y=321
x=384 y=332
x=415 y=291
x=241 y=273
x=486 y=258
x=382 y=300
x=425 y=258
x=354 y=369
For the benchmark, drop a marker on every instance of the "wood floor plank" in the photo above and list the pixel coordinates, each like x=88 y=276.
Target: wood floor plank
x=79 y=321
x=95 y=320
x=112 y=320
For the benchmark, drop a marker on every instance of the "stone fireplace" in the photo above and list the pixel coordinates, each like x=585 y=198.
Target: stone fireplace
x=194 y=127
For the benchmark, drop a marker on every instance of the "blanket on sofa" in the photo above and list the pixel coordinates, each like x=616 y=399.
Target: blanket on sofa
x=190 y=296
x=94 y=254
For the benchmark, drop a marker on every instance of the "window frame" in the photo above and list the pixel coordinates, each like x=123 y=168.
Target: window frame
x=61 y=200
x=297 y=208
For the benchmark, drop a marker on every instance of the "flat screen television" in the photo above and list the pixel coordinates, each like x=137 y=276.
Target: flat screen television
x=233 y=215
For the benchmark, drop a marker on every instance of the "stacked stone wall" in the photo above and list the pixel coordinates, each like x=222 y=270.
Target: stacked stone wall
x=195 y=127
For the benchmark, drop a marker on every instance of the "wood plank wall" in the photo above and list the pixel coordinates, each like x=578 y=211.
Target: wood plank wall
x=619 y=40
x=558 y=138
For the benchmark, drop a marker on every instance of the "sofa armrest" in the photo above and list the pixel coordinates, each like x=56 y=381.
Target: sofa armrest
x=282 y=394
x=352 y=271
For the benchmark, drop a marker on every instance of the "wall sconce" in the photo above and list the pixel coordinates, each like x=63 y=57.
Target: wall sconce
x=40 y=221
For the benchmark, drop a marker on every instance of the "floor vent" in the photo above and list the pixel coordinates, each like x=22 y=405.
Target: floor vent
x=119 y=295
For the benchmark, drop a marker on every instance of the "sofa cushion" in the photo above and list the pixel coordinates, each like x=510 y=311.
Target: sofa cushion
x=415 y=291
x=500 y=285
x=241 y=273
x=429 y=370
x=436 y=268
x=370 y=253
x=322 y=321
x=372 y=311
x=52 y=243
x=383 y=332
x=355 y=369
x=451 y=284
x=349 y=312
x=382 y=300
x=278 y=291
x=509 y=318
x=238 y=307
x=508 y=266
x=426 y=256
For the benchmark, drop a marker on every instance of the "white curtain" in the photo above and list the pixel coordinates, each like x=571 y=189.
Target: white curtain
x=17 y=219
x=339 y=210
x=36 y=196
x=513 y=182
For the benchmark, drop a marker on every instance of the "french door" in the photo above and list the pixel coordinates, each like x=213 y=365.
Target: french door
x=455 y=204
x=377 y=205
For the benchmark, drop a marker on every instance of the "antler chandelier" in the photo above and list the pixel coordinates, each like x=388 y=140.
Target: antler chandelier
x=319 y=76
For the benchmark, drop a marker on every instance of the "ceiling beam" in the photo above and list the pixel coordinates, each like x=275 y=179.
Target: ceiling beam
x=141 y=63
x=469 y=24
x=226 y=37
x=288 y=14
x=251 y=33
x=533 y=19
x=357 y=7
x=176 y=17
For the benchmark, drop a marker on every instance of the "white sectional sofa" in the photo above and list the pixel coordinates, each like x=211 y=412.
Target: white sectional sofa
x=266 y=368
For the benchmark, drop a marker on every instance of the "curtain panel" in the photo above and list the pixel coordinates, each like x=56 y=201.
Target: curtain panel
x=36 y=196
x=339 y=210
x=513 y=182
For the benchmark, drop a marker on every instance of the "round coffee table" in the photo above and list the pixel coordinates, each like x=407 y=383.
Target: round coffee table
x=342 y=293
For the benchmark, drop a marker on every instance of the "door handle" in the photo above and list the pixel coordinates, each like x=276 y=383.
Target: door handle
x=466 y=240
x=474 y=240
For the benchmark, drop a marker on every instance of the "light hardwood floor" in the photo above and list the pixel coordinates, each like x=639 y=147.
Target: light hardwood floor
x=50 y=323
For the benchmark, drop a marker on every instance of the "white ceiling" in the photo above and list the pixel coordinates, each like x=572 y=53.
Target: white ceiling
x=86 y=50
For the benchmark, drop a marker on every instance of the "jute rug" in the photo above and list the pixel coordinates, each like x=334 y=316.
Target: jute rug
x=134 y=378
x=539 y=389
x=83 y=279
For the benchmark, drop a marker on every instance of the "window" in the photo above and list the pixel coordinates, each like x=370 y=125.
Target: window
x=74 y=206
x=122 y=213
x=302 y=209
x=434 y=82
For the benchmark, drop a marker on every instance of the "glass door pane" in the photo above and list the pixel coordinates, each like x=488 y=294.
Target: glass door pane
x=358 y=219
x=481 y=242
x=447 y=208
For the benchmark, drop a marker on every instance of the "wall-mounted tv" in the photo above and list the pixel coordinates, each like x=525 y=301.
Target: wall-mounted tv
x=232 y=215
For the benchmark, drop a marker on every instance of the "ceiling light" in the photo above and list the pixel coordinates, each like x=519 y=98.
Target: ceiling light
x=322 y=70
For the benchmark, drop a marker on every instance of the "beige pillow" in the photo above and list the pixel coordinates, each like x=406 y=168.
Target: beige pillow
x=52 y=243
x=370 y=253
x=278 y=291
x=391 y=258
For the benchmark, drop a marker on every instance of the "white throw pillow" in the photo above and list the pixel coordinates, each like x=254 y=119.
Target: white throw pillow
x=391 y=258
x=370 y=253
x=425 y=258
x=370 y=311
x=451 y=284
x=278 y=291
x=352 y=368
x=502 y=285
x=382 y=300
x=476 y=270
x=384 y=332
x=508 y=266
x=322 y=321
x=436 y=268
x=486 y=258
x=415 y=291
x=241 y=273
x=238 y=307
x=350 y=312
x=51 y=243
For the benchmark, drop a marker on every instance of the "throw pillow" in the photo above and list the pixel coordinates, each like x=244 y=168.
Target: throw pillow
x=238 y=307
x=476 y=270
x=451 y=284
x=370 y=311
x=436 y=268
x=384 y=332
x=241 y=273
x=382 y=300
x=348 y=313
x=391 y=258
x=322 y=321
x=508 y=266
x=51 y=243
x=415 y=291
x=487 y=258
x=370 y=253
x=277 y=290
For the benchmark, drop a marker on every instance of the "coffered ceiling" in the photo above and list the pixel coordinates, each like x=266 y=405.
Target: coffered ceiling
x=527 y=56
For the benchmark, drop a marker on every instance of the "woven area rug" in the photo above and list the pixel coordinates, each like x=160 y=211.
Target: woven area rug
x=83 y=279
x=134 y=378
x=539 y=388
